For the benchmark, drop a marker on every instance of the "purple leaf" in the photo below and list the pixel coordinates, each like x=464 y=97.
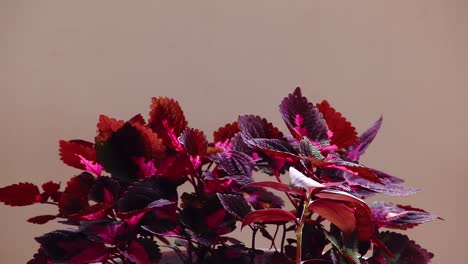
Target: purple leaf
x=274 y=148
x=105 y=189
x=143 y=251
x=257 y=127
x=235 y=204
x=235 y=163
x=398 y=216
x=75 y=197
x=195 y=145
x=272 y=215
x=65 y=246
x=260 y=198
x=303 y=118
x=356 y=151
x=405 y=251
x=105 y=231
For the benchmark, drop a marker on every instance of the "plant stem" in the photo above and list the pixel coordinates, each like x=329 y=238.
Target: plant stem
x=304 y=215
x=283 y=238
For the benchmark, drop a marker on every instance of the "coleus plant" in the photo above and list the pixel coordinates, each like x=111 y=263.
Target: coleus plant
x=125 y=205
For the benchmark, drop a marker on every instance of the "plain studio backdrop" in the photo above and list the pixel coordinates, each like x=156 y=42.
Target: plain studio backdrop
x=62 y=63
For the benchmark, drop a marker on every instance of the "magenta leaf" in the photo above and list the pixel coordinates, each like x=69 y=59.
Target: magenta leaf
x=41 y=219
x=404 y=250
x=64 y=246
x=356 y=151
x=93 y=212
x=20 y=194
x=105 y=189
x=222 y=136
x=260 y=198
x=195 y=145
x=268 y=216
x=398 y=216
x=303 y=118
x=235 y=204
x=70 y=152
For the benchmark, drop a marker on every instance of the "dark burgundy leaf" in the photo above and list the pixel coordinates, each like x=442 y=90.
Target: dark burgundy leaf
x=303 y=118
x=256 y=127
x=70 y=152
x=138 y=119
x=276 y=149
x=64 y=246
x=93 y=212
x=167 y=120
x=105 y=189
x=260 y=198
x=235 y=204
x=39 y=258
x=143 y=251
x=105 y=231
x=235 y=163
x=20 y=194
x=272 y=215
x=398 y=216
x=118 y=153
x=344 y=134
x=75 y=197
x=405 y=251
x=50 y=188
x=41 y=219
x=364 y=141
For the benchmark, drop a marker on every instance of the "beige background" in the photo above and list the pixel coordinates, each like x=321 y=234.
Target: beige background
x=62 y=63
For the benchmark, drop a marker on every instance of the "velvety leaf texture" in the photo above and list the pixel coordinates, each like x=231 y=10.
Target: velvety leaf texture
x=260 y=198
x=194 y=141
x=358 y=149
x=272 y=146
x=344 y=134
x=20 y=194
x=386 y=187
x=118 y=153
x=143 y=251
x=106 y=126
x=225 y=133
x=64 y=246
x=303 y=118
x=398 y=216
x=235 y=204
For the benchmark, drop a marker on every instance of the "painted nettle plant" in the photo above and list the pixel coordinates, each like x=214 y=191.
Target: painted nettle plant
x=126 y=204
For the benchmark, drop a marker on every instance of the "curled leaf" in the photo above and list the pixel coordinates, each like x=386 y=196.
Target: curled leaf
x=267 y=216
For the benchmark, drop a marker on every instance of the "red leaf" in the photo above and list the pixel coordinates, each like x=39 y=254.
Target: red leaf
x=271 y=215
x=137 y=120
x=282 y=187
x=344 y=134
x=153 y=144
x=41 y=219
x=167 y=120
x=50 y=187
x=19 y=194
x=223 y=135
x=70 y=152
x=106 y=127
x=336 y=212
x=195 y=145
x=94 y=212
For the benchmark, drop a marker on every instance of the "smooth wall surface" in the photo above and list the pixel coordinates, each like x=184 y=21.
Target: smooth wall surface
x=62 y=63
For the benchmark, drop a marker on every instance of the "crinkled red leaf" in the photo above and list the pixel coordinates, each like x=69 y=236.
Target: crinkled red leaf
x=272 y=215
x=257 y=127
x=75 y=196
x=63 y=246
x=137 y=120
x=143 y=251
x=106 y=126
x=344 y=134
x=20 y=194
x=235 y=204
x=41 y=219
x=398 y=216
x=195 y=144
x=356 y=150
x=50 y=187
x=303 y=118
x=167 y=120
x=154 y=146
x=70 y=152
x=223 y=135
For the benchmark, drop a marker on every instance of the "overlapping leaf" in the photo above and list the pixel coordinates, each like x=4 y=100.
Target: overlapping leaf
x=356 y=150
x=344 y=134
x=398 y=216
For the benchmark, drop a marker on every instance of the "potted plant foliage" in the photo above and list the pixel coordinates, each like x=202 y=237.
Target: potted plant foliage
x=126 y=205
